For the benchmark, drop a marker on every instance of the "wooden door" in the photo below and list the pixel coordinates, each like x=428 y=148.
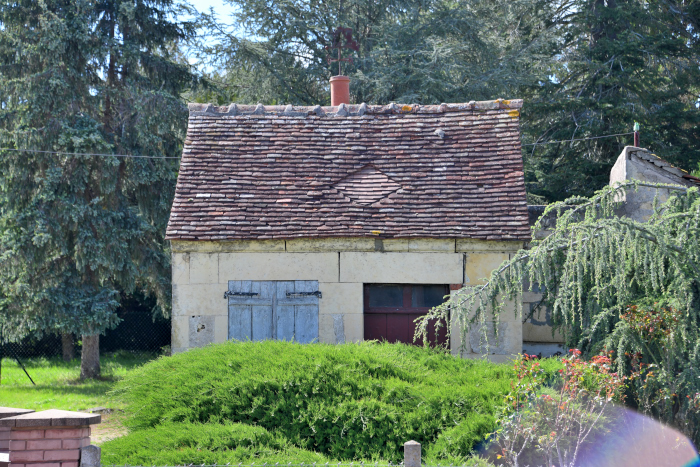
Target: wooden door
x=285 y=310
x=391 y=309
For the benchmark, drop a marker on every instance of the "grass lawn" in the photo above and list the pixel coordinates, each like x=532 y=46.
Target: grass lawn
x=58 y=386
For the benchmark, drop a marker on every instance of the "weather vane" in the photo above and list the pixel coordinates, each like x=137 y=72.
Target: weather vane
x=338 y=43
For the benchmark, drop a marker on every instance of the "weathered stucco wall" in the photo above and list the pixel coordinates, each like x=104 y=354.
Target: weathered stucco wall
x=201 y=271
x=639 y=164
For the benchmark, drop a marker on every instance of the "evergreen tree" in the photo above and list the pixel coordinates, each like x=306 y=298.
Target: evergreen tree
x=77 y=232
x=411 y=51
x=612 y=284
x=620 y=61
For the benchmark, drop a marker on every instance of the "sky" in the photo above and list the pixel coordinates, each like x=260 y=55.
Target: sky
x=220 y=7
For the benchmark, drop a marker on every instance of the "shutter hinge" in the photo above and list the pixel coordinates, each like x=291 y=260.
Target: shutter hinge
x=228 y=294
x=304 y=294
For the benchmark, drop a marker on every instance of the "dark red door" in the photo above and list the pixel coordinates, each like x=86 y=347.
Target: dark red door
x=391 y=309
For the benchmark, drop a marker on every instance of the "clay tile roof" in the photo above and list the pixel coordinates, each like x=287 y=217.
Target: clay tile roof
x=666 y=166
x=440 y=171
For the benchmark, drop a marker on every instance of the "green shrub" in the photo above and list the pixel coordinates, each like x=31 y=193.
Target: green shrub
x=347 y=402
x=178 y=443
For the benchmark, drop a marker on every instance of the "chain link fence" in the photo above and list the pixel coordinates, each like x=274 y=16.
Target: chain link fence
x=137 y=332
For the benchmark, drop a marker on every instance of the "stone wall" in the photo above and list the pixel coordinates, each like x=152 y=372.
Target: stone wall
x=201 y=271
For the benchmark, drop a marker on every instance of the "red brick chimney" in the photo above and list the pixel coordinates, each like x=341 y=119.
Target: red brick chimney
x=340 y=90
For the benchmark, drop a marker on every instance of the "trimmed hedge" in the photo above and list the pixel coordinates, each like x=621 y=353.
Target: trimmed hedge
x=196 y=443
x=349 y=402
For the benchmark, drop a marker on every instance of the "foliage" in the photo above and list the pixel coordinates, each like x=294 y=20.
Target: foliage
x=78 y=232
x=662 y=355
x=618 y=62
x=409 y=51
x=592 y=266
x=197 y=443
x=586 y=68
x=343 y=401
x=57 y=383
x=542 y=426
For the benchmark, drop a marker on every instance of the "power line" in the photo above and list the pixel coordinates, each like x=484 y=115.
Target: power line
x=579 y=139
x=175 y=157
x=89 y=154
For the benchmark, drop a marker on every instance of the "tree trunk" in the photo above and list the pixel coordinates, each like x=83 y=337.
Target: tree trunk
x=67 y=346
x=90 y=357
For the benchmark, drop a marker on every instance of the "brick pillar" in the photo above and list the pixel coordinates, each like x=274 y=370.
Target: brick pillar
x=51 y=438
x=6 y=412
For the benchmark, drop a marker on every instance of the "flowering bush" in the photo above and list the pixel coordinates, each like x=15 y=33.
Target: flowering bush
x=550 y=425
x=662 y=357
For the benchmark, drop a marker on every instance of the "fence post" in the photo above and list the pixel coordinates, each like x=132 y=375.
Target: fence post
x=411 y=454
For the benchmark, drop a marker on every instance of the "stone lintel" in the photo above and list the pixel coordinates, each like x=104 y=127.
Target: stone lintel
x=51 y=418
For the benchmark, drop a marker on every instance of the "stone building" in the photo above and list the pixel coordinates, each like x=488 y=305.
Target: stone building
x=342 y=223
x=640 y=164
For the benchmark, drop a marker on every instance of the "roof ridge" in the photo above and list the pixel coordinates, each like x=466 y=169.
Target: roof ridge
x=351 y=109
x=662 y=163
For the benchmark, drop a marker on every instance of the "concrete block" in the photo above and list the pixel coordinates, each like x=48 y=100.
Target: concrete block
x=478 y=266
x=354 y=326
x=204 y=268
x=401 y=268
x=547 y=349
x=340 y=298
x=221 y=328
x=490 y=342
x=325 y=329
x=180 y=246
x=201 y=331
x=331 y=328
x=322 y=267
x=468 y=245
x=90 y=456
x=180 y=329
x=412 y=454
x=389 y=245
x=330 y=244
x=199 y=299
x=445 y=245
x=181 y=268
x=531 y=297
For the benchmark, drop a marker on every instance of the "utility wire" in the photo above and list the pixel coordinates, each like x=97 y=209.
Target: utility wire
x=579 y=139
x=89 y=154
x=175 y=157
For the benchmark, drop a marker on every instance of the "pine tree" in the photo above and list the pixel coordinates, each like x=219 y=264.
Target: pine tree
x=77 y=232
x=410 y=51
x=620 y=62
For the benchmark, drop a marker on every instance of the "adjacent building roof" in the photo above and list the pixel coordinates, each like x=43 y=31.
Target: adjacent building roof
x=398 y=171
x=647 y=156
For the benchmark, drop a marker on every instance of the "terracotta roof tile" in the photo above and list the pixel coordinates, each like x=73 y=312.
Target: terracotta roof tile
x=447 y=171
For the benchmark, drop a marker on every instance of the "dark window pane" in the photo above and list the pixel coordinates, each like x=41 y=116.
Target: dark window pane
x=386 y=295
x=427 y=296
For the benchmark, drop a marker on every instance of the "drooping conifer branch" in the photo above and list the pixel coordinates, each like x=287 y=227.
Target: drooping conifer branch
x=591 y=266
